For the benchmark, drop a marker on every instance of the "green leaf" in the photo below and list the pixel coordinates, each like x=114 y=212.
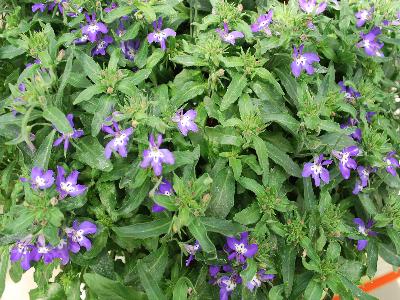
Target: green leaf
x=154 y=58
x=144 y=230
x=4 y=260
x=105 y=288
x=108 y=196
x=10 y=51
x=42 y=155
x=103 y=110
x=313 y=291
x=236 y=165
x=166 y=201
x=64 y=79
x=125 y=86
x=252 y=185
x=234 y=90
x=188 y=91
x=147 y=10
x=151 y=287
x=188 y=60
x=283 y=160
x=88 y=93
x=288 y=260
x=388 y=253
x=285 y=120
x=249 y=215
x=222 y=194
x=58 y=119
x=199 y=231
x=262 y=154
x=156 y=262
x=181 y=287
x=309 y=197
x=372 y=258
x=117 y=13
x=288 y=82
x=355 y=290
x=90 y=152
x=251 y=270
x=132 y=31
x=266 y=75
x=89 y=66
x=140 y=76
x=225 y=227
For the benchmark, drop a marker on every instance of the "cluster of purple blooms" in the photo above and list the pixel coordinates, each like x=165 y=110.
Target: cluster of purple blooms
x=227 y=276
x=27 y=252
x=66 y=186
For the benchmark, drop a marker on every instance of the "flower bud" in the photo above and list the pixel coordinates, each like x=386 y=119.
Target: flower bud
x=54 y=201
x=61 y=55
x=110 y=90
x=240 y=7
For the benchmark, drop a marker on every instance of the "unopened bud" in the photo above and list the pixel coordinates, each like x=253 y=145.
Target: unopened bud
x=220 y=72
x=393 y=89
x=397 y=112
x=54 y=201
x=397 y=99
x=110 y=90
x=240 y=7
x=134 y=123
x=61 y=55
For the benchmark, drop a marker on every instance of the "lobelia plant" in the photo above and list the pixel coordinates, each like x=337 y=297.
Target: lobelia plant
x=255 y=147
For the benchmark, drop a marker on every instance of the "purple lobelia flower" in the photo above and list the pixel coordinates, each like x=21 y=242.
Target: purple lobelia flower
x=119 y=142
x=155 y=157
x=121 y=30
x=392 y=163
x=191 y=249
x=61 y=252
x=227 y=285
x=81 y=40
x=130 y=48
x=57 y=4
x=186 y=121
x=66 y=137
x=77 y=235
x=102 y=45
x=262 y=23
x=258 y=279
x=158 y=35
x=229 y=37
x=365 y=230
x=40 y=179
x=396 y=22
x=44 y=251
x=93 y=28
x=345 y=161
x=369 y=115
x=358 y=187
x=310 y=6
x=24 y=252
x=363 y=16
x=165 y=188
x=68 y=186
x=350 y=93
x=111 y=7
x=38 y=6
x=303 y=61
x=363 y=173
x=316 y=170
x=240 y=249
x=370 y=43
x=357 y=134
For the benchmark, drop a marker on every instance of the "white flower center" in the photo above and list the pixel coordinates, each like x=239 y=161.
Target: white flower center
x=367 y=44
x=365 y=173
x=93 y=28
x=155 y=154
x=361 y=229
x=240 y=248
x=345 y=158
x=167 y=193
x=40 y=181
x=43 y=249
x=230 y=285
x=263 y=23
x=77 y=236
x=131 y=52
x=101 y=45
x=317 y=169
x=120 y=140
x=160 y=36
x=67 y=187
x=364 y=15
x=300 y=60
x=255 y=281
x=61 y=244
x=229 y=37
x=185 y=121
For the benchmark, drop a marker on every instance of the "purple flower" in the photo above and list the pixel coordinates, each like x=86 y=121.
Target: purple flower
x=369 y=115
x=76 y=235
x=213 y=271
x=240 y=249
x=57 y=4
x=303 y=61
x=68 y=186
x=111 y=7
x=155 y=157
x=350 y=93
x=365 y=231
x=229 y=37
x=119 y=142
x=345 y=161
x=392 y=163
x=357 y=134
x=158 y=35
x=129 y=48
x=358 y=187
x=191 y=249
x=310 y=6
x=67 y=136
x=82 y=40
x=262 y=23
x=370 y=44
x=363 y=16
x=316 y=170
x=43 y=250
x=38 y=6
x=24 y=252
x=259 y=278
x=120 y=31
x=165 y=188
x=396 y=22
x=93 y=28
x=227 y=285
x=186 y=121
x=40 y=179
x=61 y=252
x=102 y=45
x=363 y=173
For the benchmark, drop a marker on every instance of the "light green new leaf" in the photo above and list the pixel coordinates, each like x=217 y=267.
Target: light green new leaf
x=144 y=230
x=58 y=119
x=42 y=155
x=222 y=194
x=234 y=90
